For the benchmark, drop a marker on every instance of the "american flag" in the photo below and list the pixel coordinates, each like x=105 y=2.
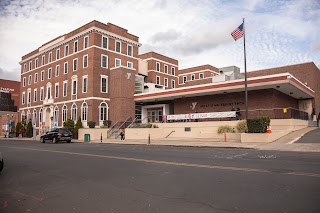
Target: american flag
x=238 y=33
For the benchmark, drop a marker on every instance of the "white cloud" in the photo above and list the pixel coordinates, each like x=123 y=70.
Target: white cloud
x=195 y=32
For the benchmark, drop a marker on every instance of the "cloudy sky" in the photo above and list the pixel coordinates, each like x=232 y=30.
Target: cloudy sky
x=196 y=32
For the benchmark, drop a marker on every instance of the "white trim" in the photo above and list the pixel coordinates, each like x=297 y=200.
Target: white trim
x=115 y=62
x=55 y=90
x=165 y=62
x=42 y=75
x=41 y=98
x=184 y=79
x=158 y=63
x=50 y=57
x=86 y=118
x=29 y=79
x=113 y=68
x=35 y=94
x=24 y=81
x=85 y=77
x=163 y=73
x=202 y=75
x=57 y=55
x=194 y=72
x=158 y=82
x=194 y=77
x=64 y=66
x=104 y=77
x=65 y=88
x=57 y=66
x=115 y=46
x=74 y=79
x=23 y=98
x=105 y=48
x=75 y=46
x=35 y=78
x=83 y=58
x=43 y=60
x=84 y=42
x=174 y=70
x=70 y=101
x=164 y=83
x=49 y=73
x=107 y=61
x=36 y=63
x=164 y=68
x=64 y=50
x=175 y=86
x=128 y=45
x=75 y=68
x=129 y=62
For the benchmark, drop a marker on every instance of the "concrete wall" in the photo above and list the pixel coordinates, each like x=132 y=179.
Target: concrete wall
x=95 y=133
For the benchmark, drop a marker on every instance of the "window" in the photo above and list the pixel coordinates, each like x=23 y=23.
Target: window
x=166 y=82
x=50 y=57
x=24 y=68
x=23 y=98
x=40 y=116
x=85 y=61
x=75 y=64
x=173 y=70
x=118 y=46
x=49 y=73
x=84 y=110
x=36 y=63
x=65 y=68
x=74 y=112
x=56 y=90
x=49 y=91
x=29 y=96
x=193 y=77
x=86 y=42
x=158 y=66
x=173 y=84
x=158 y=80
x=43 y=60
x=104 y=61
x=165 y=68
x=118 y=62
x=57 y=70
x=103 y=112
x=130 y=50
x=57 y=54
x=36 y=78
x=66 y=50
x=104 y=83
x=65 y=88
x=30 y=65
x=35 y=95
x=34 y=116
x=56 y=115
x=104 y=42
x=42 y=75
x=28 y=115
x=29 y=79
x=41 y=94
x=64 y=113
x=75 y=46
x=24 y=81
x=129 y=64
x=184 y=79
x=200 y=75
x=74 y=86
x=84 y=84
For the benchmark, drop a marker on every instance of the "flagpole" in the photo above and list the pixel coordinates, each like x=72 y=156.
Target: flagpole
x=245 y=68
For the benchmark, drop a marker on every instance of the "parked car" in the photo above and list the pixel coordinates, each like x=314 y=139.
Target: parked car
x=56 y=135
x=1 y=162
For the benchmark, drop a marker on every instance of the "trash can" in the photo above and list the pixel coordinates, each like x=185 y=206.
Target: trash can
x=86 y=137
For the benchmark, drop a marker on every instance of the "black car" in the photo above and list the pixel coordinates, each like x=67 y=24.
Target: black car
x=1 y=162
x=56 y=135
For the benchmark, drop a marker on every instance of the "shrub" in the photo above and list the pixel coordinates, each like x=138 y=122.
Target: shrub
x=18 y=127
x=77 y=127
x=225 y=129
x=92 y=124
x=255 y=125
x=148 y=125
x=242 y=126
x=266 y=121
x=155 y=126
x=29 y=131
x=106 y=123
x=69 y=124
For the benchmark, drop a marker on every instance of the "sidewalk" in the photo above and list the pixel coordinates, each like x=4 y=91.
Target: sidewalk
x=285 y=143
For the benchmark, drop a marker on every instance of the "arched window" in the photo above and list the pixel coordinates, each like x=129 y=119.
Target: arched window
x=74 y=112
x=103 y=112
x=22 y=115
x=28 y=116
x=34 y=117
x=64 y=113
x=56 y=114
x=84 y=110
x=40 y=116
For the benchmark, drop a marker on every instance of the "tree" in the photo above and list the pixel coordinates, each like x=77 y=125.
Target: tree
x=29 y=129
x=69 y=124
x=77 y=127
x=18 y=127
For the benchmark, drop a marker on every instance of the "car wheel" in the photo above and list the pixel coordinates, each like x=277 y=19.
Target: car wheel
x=41 y=140
x=54 y=140
x=68 y=141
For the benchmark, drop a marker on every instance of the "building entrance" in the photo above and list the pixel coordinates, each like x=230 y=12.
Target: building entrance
x=155 y=115
x=47 y=119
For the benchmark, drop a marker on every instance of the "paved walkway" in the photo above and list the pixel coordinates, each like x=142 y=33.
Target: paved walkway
x=289 y=142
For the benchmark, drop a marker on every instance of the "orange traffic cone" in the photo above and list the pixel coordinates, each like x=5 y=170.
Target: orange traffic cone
x=269 y=129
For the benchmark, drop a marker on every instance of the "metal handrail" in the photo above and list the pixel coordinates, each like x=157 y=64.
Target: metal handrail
x=170 y=133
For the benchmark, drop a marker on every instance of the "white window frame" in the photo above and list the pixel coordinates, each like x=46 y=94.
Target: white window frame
x=74 y=90
x=23 y=98
x=115 y=46
x=49 y=91
x=29 y=96
x=201 y=75
x=64 y=113
x=184 y=79
x=85 y=84
x=75 y=46
x=24 y=81
x=128 y=50
x=107 y=42
x=84 y=111
x=35 y=78
x=66 y=50
x=56 y=114
x=24 y=68
x=193 y=77
x=104 y=77
x=158 y=67
x=42 y=75
x=36 y=62
x=173 y=70
x=166 y=82
x=105 y=112
x=29 y=79
x=102 y=56
x=56 y=90
x=173 y=84
x=75 y=67
x=74 y=108
x=84 y=42
x=57 y=72
x=43 y=60
x=85 y=60
x=57 y=54
x=50 y=57
x=65 y=88
x=35 y=95
x=158 y=80
x=115 y=62
x=41 y=93
x=65 y=68
x=166 y=68
x=30 y=65
x=129 y=64
x=50 y=73
x=40 y=116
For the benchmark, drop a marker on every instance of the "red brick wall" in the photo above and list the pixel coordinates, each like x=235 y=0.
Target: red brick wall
x=15 y=85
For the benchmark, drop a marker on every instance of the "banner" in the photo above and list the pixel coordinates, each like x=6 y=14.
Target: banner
x=229 y=114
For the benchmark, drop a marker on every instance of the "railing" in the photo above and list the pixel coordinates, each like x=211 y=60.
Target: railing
x=170 y=133
x=114 y=130
x=111 y=129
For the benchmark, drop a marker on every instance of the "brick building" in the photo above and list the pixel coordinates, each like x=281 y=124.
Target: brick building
x=96 y=72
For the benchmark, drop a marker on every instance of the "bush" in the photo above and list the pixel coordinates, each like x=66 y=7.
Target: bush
x=155 y=126
x=225 y=129
x=266 y=121
x=18 y=127
x=242 y=126
x=106 y=123
x=29 y=131
x=139 y=125
x=92 y=124
x=69 y=124
x=77 y=127
x=255 y=125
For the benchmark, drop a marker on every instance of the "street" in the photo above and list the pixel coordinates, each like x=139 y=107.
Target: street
x=80 y=177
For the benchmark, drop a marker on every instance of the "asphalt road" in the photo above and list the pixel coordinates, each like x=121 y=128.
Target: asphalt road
x=98 y=178
x=311 y=137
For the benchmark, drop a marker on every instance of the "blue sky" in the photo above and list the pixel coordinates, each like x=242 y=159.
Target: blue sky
x=195 y=32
